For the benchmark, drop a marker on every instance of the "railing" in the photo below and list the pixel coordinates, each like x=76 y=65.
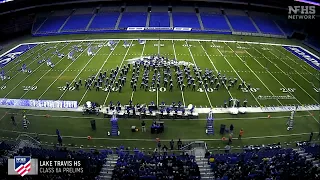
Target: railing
x=194 y=144
x=26 y=140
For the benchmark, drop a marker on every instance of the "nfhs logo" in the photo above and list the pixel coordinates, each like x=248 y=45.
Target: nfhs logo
x=22 y=164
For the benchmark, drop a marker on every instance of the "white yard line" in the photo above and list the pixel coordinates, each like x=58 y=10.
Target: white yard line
x=124 y=57
x=285 y=74
x=16 y=74
x=144 y=45
x=157 y=88
x=30 y=74
x=176 y=39
x=13 y=61
x=205 y=51
x=200 y=76
x=280 y=83
x=175 y=57
x=60 y=74
x=75 y=78
x=253 y=71
x=236 y=74
x=291 y=68
x=296 y=62
x=47 y=71
x=105 y=61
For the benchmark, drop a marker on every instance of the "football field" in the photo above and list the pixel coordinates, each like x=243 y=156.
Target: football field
x=273 y=76
x=269 y=71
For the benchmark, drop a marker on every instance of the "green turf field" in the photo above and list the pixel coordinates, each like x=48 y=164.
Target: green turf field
x=271 y=71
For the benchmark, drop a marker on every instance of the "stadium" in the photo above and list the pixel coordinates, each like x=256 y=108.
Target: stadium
x=160 y=89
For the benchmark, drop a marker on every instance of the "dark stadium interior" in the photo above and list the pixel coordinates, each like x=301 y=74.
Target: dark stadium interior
x=44 y=20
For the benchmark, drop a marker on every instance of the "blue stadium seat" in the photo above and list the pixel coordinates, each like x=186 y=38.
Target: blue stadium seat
x=266 y=25
x=133 y=19
x=38 y=23
x=159 y=18
x=242 y=24
x=53 y=24
x=104 y=21
x=155 y=166
x=182 y=19
x=214 y=21
x=77 y=22
x=286 y=27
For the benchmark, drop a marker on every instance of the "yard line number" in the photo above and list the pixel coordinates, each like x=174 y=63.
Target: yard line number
x=3 y=87
x=64 y=88
x=287 y=90
x=317 y=90
x=245 y=90
x=29 y=88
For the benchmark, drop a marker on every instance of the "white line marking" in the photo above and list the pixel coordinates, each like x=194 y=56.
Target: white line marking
x=105 y=61
x=237 y=74
x=200 y=76
x=302 y=66
x=175 y=57
x=18 y=72
x=287 y=75
x=47 y=71
x=29 y=75
x=253 y=71
x=80 y=71
x=209 y=58
x=144 y=45
x=280 y=83
x=124 y=57
x=60 y=74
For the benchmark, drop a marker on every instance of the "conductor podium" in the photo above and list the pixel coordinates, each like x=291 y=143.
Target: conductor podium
x=157 y=127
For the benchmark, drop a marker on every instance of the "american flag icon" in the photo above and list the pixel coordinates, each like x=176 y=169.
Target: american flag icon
x=22 y=164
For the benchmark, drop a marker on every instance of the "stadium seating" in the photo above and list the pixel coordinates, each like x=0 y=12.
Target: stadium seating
x=155 y=166
x=313 y=42
x=53 y=24
x=242 y=24
x=184 y=19
x=159 y=19
x=275 y=164
x=105 y=20
x=133 y=19
x=286 y=27
x=266 y=25
x=38 y=22
x=215 y=22
x=77 y=22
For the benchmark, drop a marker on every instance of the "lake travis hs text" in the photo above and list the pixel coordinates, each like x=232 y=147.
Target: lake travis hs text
x=60 y=166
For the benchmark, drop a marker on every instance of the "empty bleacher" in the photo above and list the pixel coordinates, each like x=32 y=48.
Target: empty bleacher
x=185 y=17
x=134 y=18
x=106 y=18
x=159 y=19
x=55 y=21
x=265 y=23
x=39 y=21
x=286 y=26
x=240 y=21
x=77 y=22
x=213 y=19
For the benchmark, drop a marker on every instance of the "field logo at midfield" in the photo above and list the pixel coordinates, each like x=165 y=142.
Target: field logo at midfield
x=14 y=53
x=144 y=58
x=304 y=55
